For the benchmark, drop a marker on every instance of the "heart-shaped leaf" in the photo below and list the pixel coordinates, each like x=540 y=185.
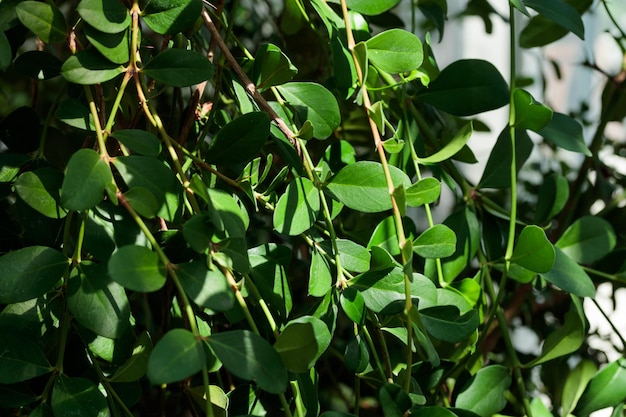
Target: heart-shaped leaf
x=533 y=250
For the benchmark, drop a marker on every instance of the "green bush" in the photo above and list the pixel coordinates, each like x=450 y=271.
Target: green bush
x=228 y=209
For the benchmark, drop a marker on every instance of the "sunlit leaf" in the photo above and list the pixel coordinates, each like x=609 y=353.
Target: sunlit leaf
x=89 y=67
x=533 y=250
x=86 y=178
x=44 y=19
x=484 y=393
x=105 y=16
x=395 y=51
x=588 y=239
x=137 y=268
x=168 y=17
x=302 y=342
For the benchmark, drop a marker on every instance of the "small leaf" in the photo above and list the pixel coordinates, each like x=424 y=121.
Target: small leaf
x=314 y=103
x=394 y=401
x=29 y=272
x=438 y=241
x=575 y=384
x=168 y=17
x=533 y=250
x=565 y=132
x=250 y=357
x=86 y=178
x=569 y=276
x=272 y=67
x=451 y=148
x=206 y=287
x=142 y=201
x=484 y=394
x=353 y=304
x=561 y=13
x=353 y=256
x=395 y=51
x=302 y=342
x=371 y=8
x=425 y=191
x=78 y=396
x=45 y=20
x=362 y=186
x=113 y=46
x=466 y=87
x=40 y=190
x=105 y=16
x=497 y=173
x=136 y=366
x=607 y=388
x=529 y=113
x=140 y=141
x=22 y=358
x=240 y=140
x=89 y=67
x=176 y=356
x=320 y=275
x=297 y=209
x=6 y=55
x=137 y=268
x=587 y=240
x=444 y=322
x=356 y=355
x=179 y=68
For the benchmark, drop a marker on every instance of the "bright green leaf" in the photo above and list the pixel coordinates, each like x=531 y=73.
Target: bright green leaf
x=395 y=51
x=569 y=276
x=353 y=257
x=320 y=275
x=89 y=67
x=302 y=342
x=353 y=304
x=297 y=209
x=451 y=148
x=176 y=356
x=607 y=388
x=484 y=394
x=179 y=68
x=206 y=287
x=137 y=268
x=438 y=241
x=142 y=201
x=40 y=190
x=425 y=191
x=565 y=132
x=113 y=46
x=86 y=178
x=371 y=8
x=575 y=384
x=240 y=140
x=587 y=240
x=533 y=250
x=45 y=20
x=168 y=17
x=529 y=113
x=106 y=16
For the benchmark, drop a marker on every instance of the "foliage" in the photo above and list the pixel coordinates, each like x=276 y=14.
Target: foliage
x=201 y=216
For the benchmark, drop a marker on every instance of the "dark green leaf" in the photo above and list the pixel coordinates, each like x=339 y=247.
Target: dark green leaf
x=39 y=65
x=206 y=287
x=444 y=322
x=438 y=241
x=371 y=8
x=89 y=67
x=250 y=357
x=302 y=342
x=240 y=140
x=29 y=272
x=43 y=19
x=86 y=178
x=353 y=256
x=314 y=103
x=569 y=276
x=75 y=114
x=356 y=355
x=137 y=268
x=320 y=275
x=78 y=397
x=551 y=198
x=176 y=356
x=137 y=365
x=268 y=263
x=353 y=304
x=542 y=31
x=533 y=250
x=467 y=87
x=395 y=51
x=40 y=190
x=272 y=67
x=607 y=388
x=561 y=13
x=565 y=132
x=529 y=113
x=113 y=46
x=21 y=129
x=142 y=201
x=394 y=401
x=497 y=173
x=168 y=17
x=105 y=16
x=179 y=68
x=484 y=394
x=362 y=186
x=425 y=191
x=297 y=209
x=22 y=358
x=587 y=240
x=6 y=54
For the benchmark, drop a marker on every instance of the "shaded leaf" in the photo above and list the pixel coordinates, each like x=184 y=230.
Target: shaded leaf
x=113 y=46
x=371 y=8
x=298 y=208
x=484 y=393
x=86 y=178
x=168 y=17
x=179 y=68
x=541 y=30
x=40 y=190
x=561 y=13
x=353 y=304
x=105 y=16
x=39 y=65
x=497 y=173
x=551 y=198
x=176 y=356
x=206 y=287
x=587 y=240
x=89 y=67
x=314 y=103
x=240 y=140
x=75 y=114
x=136 y=366
x=45 y=20
x=444 y=322
x=22 y=358
x=137 y=268
x=451 y=148
x=302 y=342
x=565 y=132
x=272 y=67
x=78 y=396
x=569 y=276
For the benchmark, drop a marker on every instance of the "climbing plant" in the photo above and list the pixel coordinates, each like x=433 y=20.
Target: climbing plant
x=229 y=209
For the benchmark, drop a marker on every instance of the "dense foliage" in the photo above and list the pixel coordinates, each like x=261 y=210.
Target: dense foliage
x=227 y=208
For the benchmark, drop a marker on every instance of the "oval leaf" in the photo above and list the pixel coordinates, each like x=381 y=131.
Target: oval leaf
x=565 y=132
x=395 y=51
x=206 y=287
x=425 y=191
x=89 y=67
x=168 y=17
x=40 y=190
x=569 y=276
x=533 y=250
x=86 y=178
x=371 y=8
x=113 y=46
x=137 y=268
x=179 y=68
x=444 y=322
x=106 y=16
x=561 y=13
x=587 y=240
x=240 y=140
x=484 y=394
x=438 y=241
x=78 y=396
x=22 y=358
x=176 y=356
x=297 y=208
x=302 y=342
x=529 y=113
x=607 y=388
x=45 y=20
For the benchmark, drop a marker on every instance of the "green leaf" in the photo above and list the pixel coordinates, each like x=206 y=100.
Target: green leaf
x=575 y=384
x=551 y=198
x=561 y=13
x=565 y=132
x=569 y=276
x=541 y=31
x=206 y=287
x=45 y=20
x=86 y=178
x=353 y=304
x=533 y=250
x=395 y=51
x=466 y=87
x=271 y=67
x=176 y=356
x=39 y=65
x=78 y=397
x=425 y=191
x=152 y=174
x=362 y=186
x=371 y=8
x=607 y=388
x=89 y=67
x=484 y=394
x=268 y=263
x=75 y=114
x=438 y=241
x=168 y=17
x=240 y=140
x=113 y=46
x=497 y=173
x=10 y=165
x=297 y=209
x=444 y=322
x=179 y=68
x=142 y=201
x=40 y=190
x=22 y=358
x=250 y=357
x=137 y=268
x=314 y=103
x=320 y=275
x=587 y=240
x=105 y=16
x=302 y=342
x=137 y=365
x=6 y=54
x=433 y=411
x=29 y=272
x=356 y=355
x=451 y=148
x=394 y=401
x=97 y=302
x=353 y=257
x=529 y=113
